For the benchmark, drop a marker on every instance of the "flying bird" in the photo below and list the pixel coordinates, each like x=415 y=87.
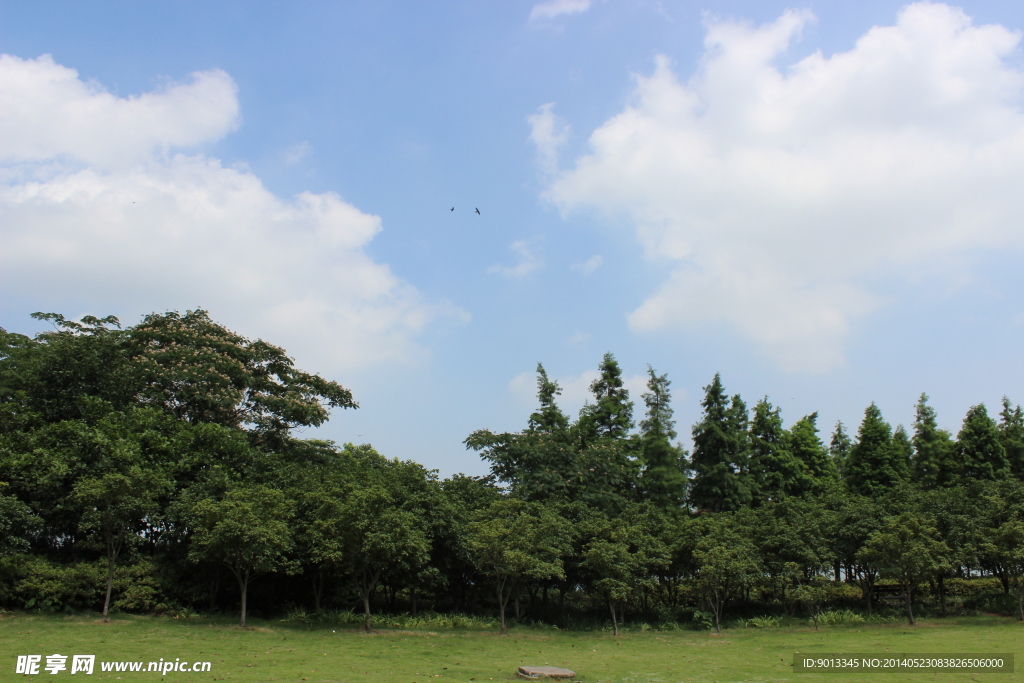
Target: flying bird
x=477 y=212
x=453 y=208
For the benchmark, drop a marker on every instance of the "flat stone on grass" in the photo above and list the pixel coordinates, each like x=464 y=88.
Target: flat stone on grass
x=545 y=672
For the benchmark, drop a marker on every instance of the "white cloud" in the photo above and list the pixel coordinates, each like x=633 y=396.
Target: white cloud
x=528 y=261
x=579 y=339
x=590 y=265
x=557 y=8
x=297 y=152
x=549 y=133
x=781 y=194
x=48 y=112
x=94 y=197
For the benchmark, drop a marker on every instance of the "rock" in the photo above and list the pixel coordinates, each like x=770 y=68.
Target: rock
x=545 y=672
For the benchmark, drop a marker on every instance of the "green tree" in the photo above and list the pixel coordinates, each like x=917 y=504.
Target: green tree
x=248 y=530
x=548 y=418
x=839 y=449
x=774 y=471
x=515 y=540
x=719 y=459
x=663 y=478
x=122 y=499
x=1005 y=544
x=727 y=563
x=200 y=371
x=624 y=557
x=933 y=464
x=611 y=414
x=875 y=465
x=980 y=449
x=905 y=548
x=807 y=448
x=1011 y=433
x=378 y=536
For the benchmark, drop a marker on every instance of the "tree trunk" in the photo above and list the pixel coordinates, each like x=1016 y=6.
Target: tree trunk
x=909 y=597
x=214 y=587
x=113 y=548
x=367 y=627
x=110 y=588
x=318 y=588
x=501 y=606
x=941 y=583
x=243 y=587
x=615 y=622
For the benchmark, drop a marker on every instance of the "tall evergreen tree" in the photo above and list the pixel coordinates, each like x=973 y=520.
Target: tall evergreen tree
x=933 y=449
x=774 y=471
x=549 y=418
x=902 y=450
x=806 y=446
x=839 y=449
x=875 y=464
x=979 y=448
x=1011 y=433
x=663 y=478
x=611 y=414
x=719 y=452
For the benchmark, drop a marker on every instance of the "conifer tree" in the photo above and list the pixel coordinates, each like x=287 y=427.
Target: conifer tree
x=663 y=479
x=933 y=462
x=549 y=418
x=979 y=448
x=611 y=414
x=839 y=449
x=875 y=463
x=806 y=446
x=774 y=471
x=1011 y=433
x=719 y=453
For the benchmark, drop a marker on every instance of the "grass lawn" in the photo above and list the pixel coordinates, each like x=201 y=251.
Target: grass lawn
x=273 y=651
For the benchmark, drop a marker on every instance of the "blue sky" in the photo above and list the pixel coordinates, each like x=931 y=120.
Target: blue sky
x=820 y=201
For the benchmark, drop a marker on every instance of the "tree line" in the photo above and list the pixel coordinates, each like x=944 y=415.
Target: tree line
x=156 y=468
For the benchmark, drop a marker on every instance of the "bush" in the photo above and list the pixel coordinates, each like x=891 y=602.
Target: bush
x=845 y=616
x=46 y=586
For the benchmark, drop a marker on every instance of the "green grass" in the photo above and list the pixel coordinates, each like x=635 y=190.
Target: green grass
x=276 y=651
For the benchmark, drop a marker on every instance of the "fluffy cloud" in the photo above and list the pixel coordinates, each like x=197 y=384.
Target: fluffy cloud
x=780 y=194
x=590 y=265
x=557 y=8
x=548 y=132
x=528 y=261
x=101 y=214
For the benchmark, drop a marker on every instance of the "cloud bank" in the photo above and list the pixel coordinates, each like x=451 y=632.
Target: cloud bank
x=779 y=194
x=103 y=210
x=557 y=8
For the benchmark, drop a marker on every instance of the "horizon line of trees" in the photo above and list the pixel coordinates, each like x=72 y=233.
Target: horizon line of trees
x=144 y=468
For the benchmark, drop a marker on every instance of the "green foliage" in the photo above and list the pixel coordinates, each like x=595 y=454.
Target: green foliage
x=876 y=463
x=719 y=459
x=905 y=548
x=515 y=540
x=1011 y=435
x=933 y=462
x=775 y=472
x=247 y=530
x=611 y=414
x=979 y=448
x=663 y=478
x=839 y=449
